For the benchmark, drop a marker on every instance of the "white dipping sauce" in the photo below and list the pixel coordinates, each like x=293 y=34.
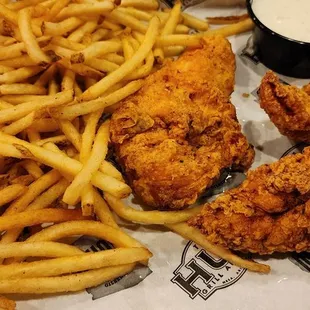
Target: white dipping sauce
x=290 y=18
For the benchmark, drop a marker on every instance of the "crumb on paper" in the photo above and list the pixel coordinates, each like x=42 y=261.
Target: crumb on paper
x=260 y=148
x=245 y=95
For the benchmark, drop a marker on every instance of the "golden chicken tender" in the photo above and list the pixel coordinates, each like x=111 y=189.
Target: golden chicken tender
x=269 y=212
x=287 y=106
x=175 y=136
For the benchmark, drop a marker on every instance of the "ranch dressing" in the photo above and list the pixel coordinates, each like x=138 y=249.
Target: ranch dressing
x=290 y=18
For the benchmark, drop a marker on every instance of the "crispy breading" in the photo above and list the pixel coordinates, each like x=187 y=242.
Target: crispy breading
x=287 y=106
x=7 y=304
x=269 y=212
x=180 y=130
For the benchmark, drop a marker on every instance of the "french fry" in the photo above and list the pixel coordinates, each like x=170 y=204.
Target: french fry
x=71 y=283
x=102 y=210
x=194 y=22
x=17 y=99
x=96 y=49
x=8 y=14
x=33 y=137
x=61 y=28
x=118 y=59
x=99 y=35
x=28 y=37
x=144 y=70
x=19 y=125
x=11 y=193
x=49 y=196
x=17 y=62
x=87 y=200
x=32 y=168
x=22 y=89
x=96 y=8
x=60 y=139
x=46 y=76
x=224 y=20
x=24 y=180
x=182 y=29
x=107 y=168
x=71 y=264
x=30 y=218
x=139 y=14
x=38 y=249
x=81 y=69
x=149 y=217
x=19 y=75
x=97 y=155
x=127 y=20
x=169 y=28
x=128 y=50
x=23 y=109
x=71 y=112
x=141 y=4
x=91 y=228
x=195 y=235
x=56 y=9
x=5 y=105
x=128 y=67
x=66 y=43
x=180 y=39
x=45 y=125
x=67 y=165
x=4 y=68
x=71 y=133
x=110 y=25
x=68 y=80
x=102 y=65
x=79 y=34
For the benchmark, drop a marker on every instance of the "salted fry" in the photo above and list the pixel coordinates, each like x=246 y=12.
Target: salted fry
x=127 y=20
x=182 y=29
x=141 y=4
x=17 y=99
x=33 y=136
x=98 y=154
x=4 y=68
x=68 y=165
x=118 y=59
x=102 y=65
x=71 y=283
x=67 y=43
x=128 y=67
x=95 y=8
x=79 y=34
x=23 y=109
x=195 y=235
x=150 y=217
x=45 y=125
x=194 y=22
x=32 y=168
x=17 y=62
x=10 y=193
x=224 y=20
x=46 y=76
x=139 y=14
x=144 y=70
x=94 y=229
x=87 y=200
x=71 y=264
x=30 y=218
x=19 y=125
x=60 y=139
x=71 y=133
x=19 y=75
x=96 y=49
x=38 y=249
x=71 y=112
x=56 y=9
x=99 y=34
x=107 y=168
x=128 y=50
x=61 y=28
x=28 y=37
x=21 y=89
x=8 y=14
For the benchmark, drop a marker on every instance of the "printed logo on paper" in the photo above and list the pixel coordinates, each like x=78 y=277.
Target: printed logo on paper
x=302 y=260
x=89 y=244
x=201 y=274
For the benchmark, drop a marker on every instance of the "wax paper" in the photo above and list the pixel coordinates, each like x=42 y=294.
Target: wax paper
x=183 y=276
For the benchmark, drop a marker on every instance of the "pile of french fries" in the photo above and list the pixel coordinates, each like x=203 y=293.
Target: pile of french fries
x=63 y=64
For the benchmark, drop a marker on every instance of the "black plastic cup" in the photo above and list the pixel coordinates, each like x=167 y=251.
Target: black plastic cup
x=279 y=53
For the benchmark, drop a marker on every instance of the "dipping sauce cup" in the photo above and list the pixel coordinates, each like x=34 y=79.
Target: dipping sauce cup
x=282 y=54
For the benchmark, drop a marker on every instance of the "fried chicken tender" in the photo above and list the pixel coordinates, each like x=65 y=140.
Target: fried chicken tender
x=177 y=133
x=269 y=212
x=7 y=304
x=287 y=106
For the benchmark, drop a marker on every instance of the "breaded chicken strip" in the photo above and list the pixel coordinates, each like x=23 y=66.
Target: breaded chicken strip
x=287 y=106
x=269 y=212
x=179 y=131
